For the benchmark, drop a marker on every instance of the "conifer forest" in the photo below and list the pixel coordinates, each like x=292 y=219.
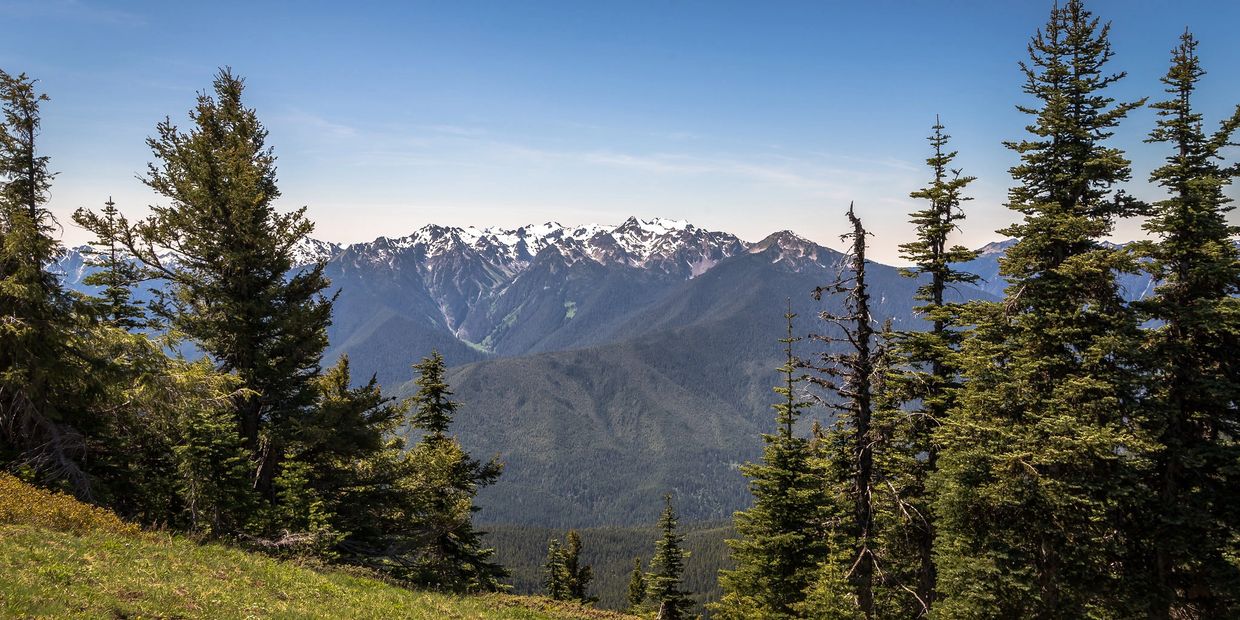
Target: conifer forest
x=650 y=420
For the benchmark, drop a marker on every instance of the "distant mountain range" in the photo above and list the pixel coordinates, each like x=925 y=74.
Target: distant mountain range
x=606 y=365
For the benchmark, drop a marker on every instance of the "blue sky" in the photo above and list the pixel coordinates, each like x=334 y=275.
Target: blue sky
x=748 y=117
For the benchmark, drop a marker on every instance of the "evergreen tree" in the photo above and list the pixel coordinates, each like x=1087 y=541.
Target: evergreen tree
x=1037 y=466
x=637 y=586
x=850 y=447
x=579 y=575
x=445 y=481
x=117 y=272
x=344 y=463
x=928 y=384
x=434 y=407
x=165 y=452
x=663 y=584
x=92 y=407
x=565 y=577
x=831 y=595
x=555 y=573
x=214 y=473
x=1194 y=374
x=45 y=410
x=779 y=545
x=229 y=285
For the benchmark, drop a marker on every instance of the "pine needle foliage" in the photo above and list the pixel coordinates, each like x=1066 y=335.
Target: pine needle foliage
x=1193 y=378
x=921 y=381
x=664 y=589
x=226 y=255
x=1039 y=461
x=45 y=405
x=637 y=585
x=565 y=577
x=555 y=573
x=433 y=404
x=116 y=271
x=779 y=543
x=450 y=554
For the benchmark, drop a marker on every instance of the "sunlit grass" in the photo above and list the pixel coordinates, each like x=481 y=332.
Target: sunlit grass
x=63 y=559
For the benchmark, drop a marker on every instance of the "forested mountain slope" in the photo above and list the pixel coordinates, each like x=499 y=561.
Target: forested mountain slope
x=595 y=435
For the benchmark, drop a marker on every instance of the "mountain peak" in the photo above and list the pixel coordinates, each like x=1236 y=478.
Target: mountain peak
x=788 y=247
x=781 y=238
x=996 y=247
x=658 y=226
x=310 y=251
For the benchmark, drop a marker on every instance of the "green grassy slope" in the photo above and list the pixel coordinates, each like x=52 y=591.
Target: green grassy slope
x=48 y=574
x=61 y=558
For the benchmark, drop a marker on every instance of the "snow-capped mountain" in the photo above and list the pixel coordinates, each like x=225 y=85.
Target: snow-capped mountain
x=475 y=293
x=500 y=289
x=672 y=246
x=310 y=251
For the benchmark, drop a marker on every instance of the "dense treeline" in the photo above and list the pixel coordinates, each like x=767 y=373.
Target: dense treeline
x=254 y=441
x=1062 y=453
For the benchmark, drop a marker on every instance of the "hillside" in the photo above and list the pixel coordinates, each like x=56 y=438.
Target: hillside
x=594 y=436
x=62 y=559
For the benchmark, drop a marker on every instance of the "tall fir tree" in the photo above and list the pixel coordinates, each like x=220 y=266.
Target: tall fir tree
x=664 y=586
x=1039 y=461
x=848 y=376
x=433 y=404
x=446 y=479
x=930 y=381
x=1194 y=374
x=229 y=289
x=44 y=408
x=780 y=544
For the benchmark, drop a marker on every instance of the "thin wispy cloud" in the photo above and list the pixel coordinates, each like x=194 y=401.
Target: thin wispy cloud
x=75 y=10
x=313 y=122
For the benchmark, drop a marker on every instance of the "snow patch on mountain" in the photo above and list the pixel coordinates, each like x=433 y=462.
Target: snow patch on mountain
x=672 y=246
x=309 y=251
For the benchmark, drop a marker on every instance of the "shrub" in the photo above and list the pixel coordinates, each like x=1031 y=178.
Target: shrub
x=23 y=504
